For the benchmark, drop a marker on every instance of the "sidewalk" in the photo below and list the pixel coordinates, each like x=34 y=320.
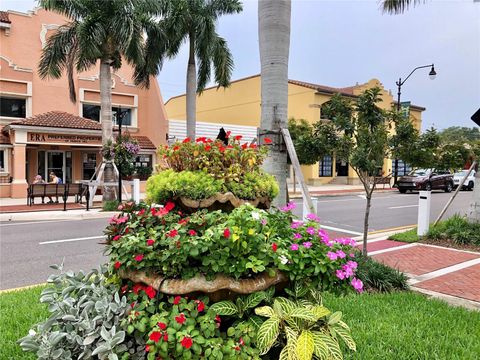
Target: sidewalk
x=446 y=273
x=333 y=190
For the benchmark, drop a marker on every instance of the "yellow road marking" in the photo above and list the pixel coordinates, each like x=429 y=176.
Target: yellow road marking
x=21 y=288
x=393 y=229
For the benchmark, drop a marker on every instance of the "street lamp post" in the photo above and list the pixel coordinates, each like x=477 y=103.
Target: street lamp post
x=432 y=74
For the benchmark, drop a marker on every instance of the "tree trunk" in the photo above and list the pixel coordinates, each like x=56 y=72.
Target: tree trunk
x=274 y=40
x=106 y=121
x=191 y=90
x=474 y=211
x=365 y=223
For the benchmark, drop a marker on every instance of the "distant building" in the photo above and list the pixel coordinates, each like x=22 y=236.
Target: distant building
x=41 y=130
x=237 y=108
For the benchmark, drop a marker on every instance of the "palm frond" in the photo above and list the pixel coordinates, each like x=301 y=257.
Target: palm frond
x=216 y=8
x=399 y=6
x=222 y=62
x=73 y=9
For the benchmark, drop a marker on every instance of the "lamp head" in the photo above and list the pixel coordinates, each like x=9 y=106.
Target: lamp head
x=432 y=74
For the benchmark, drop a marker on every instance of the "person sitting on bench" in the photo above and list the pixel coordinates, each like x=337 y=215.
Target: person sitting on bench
x=54 y=179
x=38 y=180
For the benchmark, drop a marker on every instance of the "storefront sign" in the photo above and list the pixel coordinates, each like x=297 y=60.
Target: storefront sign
x=42 y=138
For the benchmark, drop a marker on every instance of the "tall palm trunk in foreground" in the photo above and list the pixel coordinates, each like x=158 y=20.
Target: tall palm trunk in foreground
x=106 y=121
x=191 y=89
x=274 y=38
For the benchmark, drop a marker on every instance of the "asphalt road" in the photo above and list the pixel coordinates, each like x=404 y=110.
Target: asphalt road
x=27 y=249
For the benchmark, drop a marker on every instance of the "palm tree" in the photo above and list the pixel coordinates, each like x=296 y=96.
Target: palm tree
x=107 y=32
x=274 y=40
x=399 y=6
x=194 y=21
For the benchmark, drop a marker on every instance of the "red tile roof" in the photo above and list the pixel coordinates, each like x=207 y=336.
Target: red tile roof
x=59 y=119
x=329 y=89
x=145 y=142
x=4 y=17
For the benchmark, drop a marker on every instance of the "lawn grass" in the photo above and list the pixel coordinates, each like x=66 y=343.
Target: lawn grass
x=409 y=236
x=396 y=326
x=19 y=310
x=407 y=325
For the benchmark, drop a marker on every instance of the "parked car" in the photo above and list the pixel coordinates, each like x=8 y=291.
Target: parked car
x=469 y=182
x=426 y=179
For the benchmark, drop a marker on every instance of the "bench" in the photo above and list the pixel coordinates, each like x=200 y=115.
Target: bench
x=383 y=180
x=58 y=190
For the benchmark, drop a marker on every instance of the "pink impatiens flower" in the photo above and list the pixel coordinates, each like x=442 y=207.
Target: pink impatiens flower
x=311 y=230
x=297 y=236
x=294 y=247
x=313 y=217
x=307 y=244
x=150 y=242
x=296 y=224
x=290 y=206
x=139 y=257
x=340 y=274
x=332 y=256
x=357 y=284
x=341 y=254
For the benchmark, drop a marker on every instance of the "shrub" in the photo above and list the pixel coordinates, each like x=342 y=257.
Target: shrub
x=175 y=327
x=254 y=185
x=86 y=312
x=111 y=205
x=226 y=162
x=243 y=243
x=457 y=229
x=303 y=329
x=379 y=277
x=167 y=184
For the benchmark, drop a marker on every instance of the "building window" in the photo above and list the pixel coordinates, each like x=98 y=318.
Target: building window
x=12 y=107
x=3 y=157
x=143 y=160
x=403 y=169
x=92 y=112
x=325 y=166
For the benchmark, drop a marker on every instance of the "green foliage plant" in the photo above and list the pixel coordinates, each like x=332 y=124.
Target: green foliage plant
x=85 y=315
x=456 y=229
x=304 y=329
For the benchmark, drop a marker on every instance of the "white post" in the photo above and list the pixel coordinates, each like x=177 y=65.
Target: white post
x=136 y=191
x=423 y=212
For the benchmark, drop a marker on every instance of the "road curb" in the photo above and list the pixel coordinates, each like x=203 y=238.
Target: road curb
x=56 y=215
x=334 y=194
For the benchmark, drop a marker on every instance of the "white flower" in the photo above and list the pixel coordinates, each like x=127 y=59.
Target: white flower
x=256 y=215
x=283 y=259
x=32 y=332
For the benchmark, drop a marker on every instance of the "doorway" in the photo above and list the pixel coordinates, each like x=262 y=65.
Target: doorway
x=341 y=168
x=58 y=162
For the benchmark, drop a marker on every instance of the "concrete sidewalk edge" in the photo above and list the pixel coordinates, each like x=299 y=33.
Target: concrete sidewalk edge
x=315 y=194
x=57 y=215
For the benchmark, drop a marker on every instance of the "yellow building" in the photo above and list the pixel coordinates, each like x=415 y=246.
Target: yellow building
x=237 y=109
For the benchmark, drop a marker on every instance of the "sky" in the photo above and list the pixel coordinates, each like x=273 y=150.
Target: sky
x=341 y=42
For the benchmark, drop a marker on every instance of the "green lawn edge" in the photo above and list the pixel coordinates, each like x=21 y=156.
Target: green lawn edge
x=409 y=236
x=397 y=326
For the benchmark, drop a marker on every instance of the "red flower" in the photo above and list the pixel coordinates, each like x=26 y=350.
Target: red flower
x=226 y=233
x=192 y=232
x=165 y=337
x=155 y=336
x=274 y=247
x=241 y=342
x=267 y=140
x=186 y=140
x=169 y=206
x=229 y=147
x=186 y=342
x=139 y=257
x=141 y=212
x=228 y=134
x=124 y=289
x=150 y=291
x=218 y=319
x=172 y=233
x=200 y=306
x=147 y=348
x=126 y=231
x=183 y=221
x=201 y=139
x=222 y=149
x=137 y=288
x=176 y=147
x=150 y=242
x=237 y=348
x=253 y=146
x=180 y=318
x=238 y=137
x=162 y=325
x=116 y=237
x=176 y=300
x=207 y=147
x=244 y=146
x=117 y=265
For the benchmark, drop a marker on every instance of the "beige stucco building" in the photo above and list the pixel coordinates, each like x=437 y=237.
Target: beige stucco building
x=41 y=130
x=237 y=108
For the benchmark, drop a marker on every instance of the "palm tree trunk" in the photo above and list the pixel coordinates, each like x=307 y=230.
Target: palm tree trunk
x=474 y=211
x=274 y=40
x=191 y=90
x=106 y=121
